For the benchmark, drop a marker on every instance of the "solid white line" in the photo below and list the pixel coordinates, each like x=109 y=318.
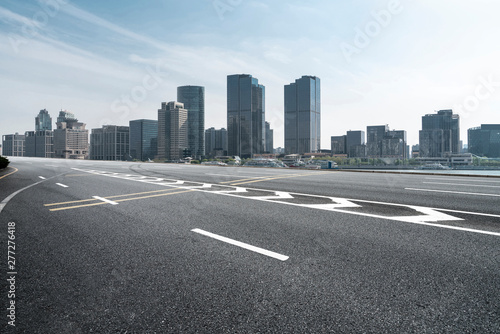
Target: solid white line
x=236 y=176
x=468 y=212
x=105 y=200
x=42 y=177
x=62 y=185
x=463 y=179
x=242 y=245
x=11 y=196
x=453 y=192
x=461 y=184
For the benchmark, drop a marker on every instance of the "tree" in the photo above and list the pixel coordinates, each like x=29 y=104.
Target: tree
x=4 y=162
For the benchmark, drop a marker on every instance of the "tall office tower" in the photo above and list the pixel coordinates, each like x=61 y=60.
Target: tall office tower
x=484 y=141
x=215 y=142
x=245 y=115
x=13 y=145
x=39 y=144
x=374 y=136
x=43 y=121
x=384 y=143
x=143 y=139
x=71 y=139
x=193 y=98
x=269 y=148
x=355 y=144
x=172 y=131
x=338 y=144
x=440 y=134
x=111 y=142
x=303 y=116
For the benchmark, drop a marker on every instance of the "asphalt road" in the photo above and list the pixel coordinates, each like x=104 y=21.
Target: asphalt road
x=118 y=247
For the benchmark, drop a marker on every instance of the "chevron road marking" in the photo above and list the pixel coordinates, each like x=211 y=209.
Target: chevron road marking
x=423 y=215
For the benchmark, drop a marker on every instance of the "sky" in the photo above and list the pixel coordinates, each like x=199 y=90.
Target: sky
x=380 y=61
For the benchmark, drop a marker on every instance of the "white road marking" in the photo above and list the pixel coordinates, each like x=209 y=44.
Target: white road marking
x=42 y=177
x=227 y=175
x=242 y=245
x=463 y=179
x=277 y=195
x=11 y=196
x=338 y=204
x=462 y=184
x=62 y=185
x=105 y=200
x=453 y=192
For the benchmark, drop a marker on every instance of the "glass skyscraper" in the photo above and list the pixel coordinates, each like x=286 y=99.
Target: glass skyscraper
x=485 y=140
x=245 y=115
x=143 y=139
x=193 y=98
x=440 y=134
x=43 y=121
x=303 y=116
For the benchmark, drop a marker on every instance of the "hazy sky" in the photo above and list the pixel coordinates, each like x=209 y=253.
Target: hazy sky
x=380 y=62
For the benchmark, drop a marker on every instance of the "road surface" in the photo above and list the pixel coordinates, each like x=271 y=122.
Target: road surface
x=121 y=247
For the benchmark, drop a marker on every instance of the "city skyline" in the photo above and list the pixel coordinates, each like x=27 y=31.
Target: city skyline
x=377 y=62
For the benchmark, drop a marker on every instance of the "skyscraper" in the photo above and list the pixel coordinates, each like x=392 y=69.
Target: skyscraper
x=215 y=141
x=111 y=142
x=143 y=139
x=193 y=98
x=440 y=134
x=485 y=140
x=43 y=121
x=40 y=143
x=355 y=144
x=245 y=115
x=269 y=139
x=384 y=143
x=303 y=116
x=71 y=139
x=338 y=144
x=172 y=131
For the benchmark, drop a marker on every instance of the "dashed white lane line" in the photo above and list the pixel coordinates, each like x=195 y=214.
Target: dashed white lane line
x=62 y=185
x=105 y=200
x=42 y=177
x=462 y=184
x=453 y=192
x=242 y=245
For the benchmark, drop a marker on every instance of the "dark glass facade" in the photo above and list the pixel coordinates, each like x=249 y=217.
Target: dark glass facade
x=269 y=139
x=143 y=139
x=484 y=141
x=43 y=121
x=215 y=141
x=355 y=144
x=338 y=144
x=245 y=115
x=193 y=98
x=440 y=134
x=303 y=116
